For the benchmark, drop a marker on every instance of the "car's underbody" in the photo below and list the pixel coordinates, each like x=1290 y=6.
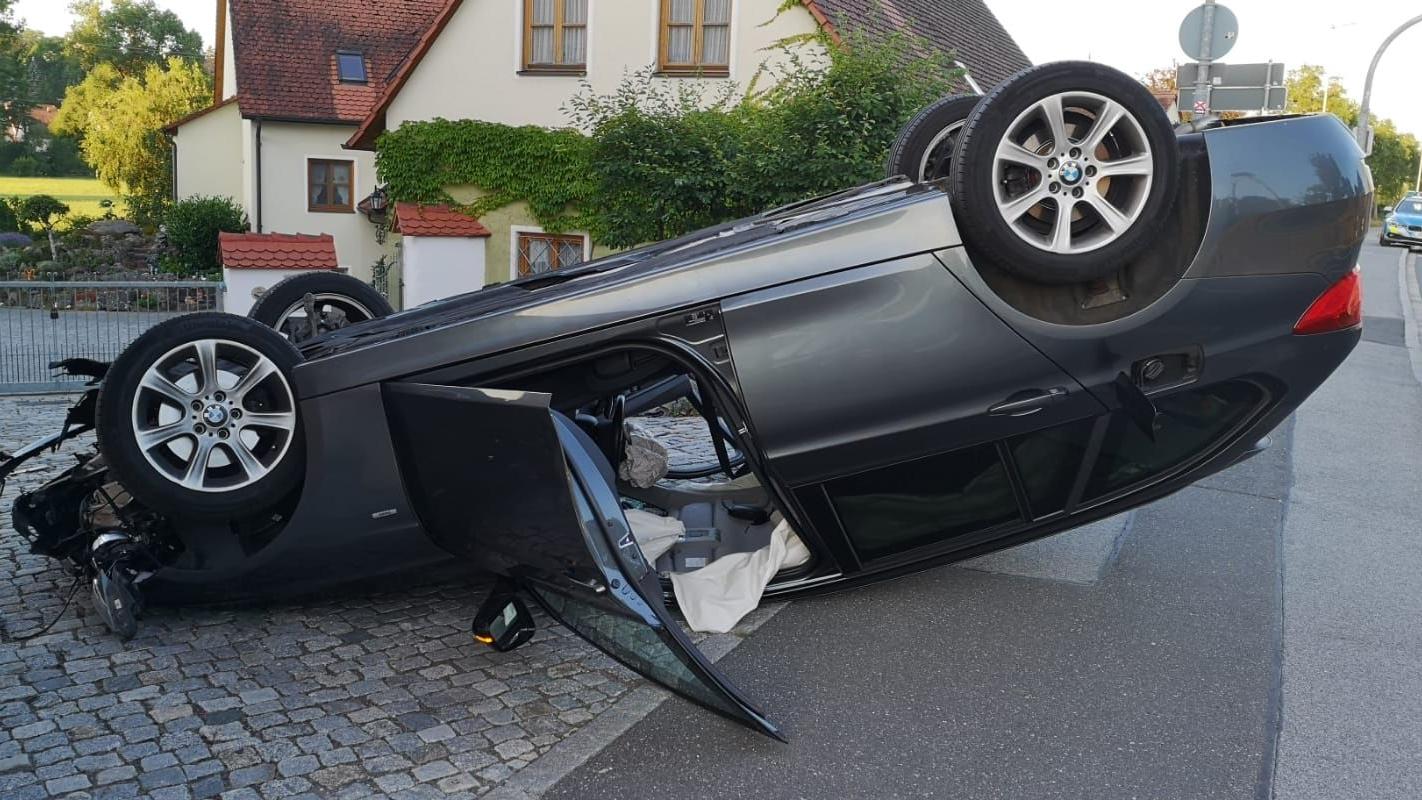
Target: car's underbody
x=881 y=393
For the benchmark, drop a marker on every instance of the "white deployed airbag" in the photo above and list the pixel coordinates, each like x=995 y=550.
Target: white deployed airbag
x=716 y=597
x=654 y=533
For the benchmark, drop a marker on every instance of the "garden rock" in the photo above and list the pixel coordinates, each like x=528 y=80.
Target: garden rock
x=113 y=227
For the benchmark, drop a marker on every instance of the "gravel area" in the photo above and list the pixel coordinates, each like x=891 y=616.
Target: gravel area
x=381 y=693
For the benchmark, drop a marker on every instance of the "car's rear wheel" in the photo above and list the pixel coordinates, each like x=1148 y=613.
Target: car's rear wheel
x=1065 y=172
x=198 y=417
x=924 y=149
x=304 y=306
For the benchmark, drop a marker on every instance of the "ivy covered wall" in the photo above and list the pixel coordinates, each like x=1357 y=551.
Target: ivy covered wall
x=661 y=160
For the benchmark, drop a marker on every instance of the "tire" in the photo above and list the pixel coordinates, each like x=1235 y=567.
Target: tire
x=924 y=150
x=225 y=417
x=1100 y=232
x=355 y=300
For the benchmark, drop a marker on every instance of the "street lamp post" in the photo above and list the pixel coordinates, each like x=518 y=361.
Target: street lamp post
x=1362 y=132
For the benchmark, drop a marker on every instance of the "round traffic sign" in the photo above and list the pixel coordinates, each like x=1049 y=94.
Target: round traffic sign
x=1223 y=33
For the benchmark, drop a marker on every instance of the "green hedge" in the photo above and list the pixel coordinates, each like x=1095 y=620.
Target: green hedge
x=659 y=160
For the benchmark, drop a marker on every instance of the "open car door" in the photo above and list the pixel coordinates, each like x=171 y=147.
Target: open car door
x=500 y=478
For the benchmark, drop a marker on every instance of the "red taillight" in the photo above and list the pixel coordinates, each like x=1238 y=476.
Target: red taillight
x=1338 y=308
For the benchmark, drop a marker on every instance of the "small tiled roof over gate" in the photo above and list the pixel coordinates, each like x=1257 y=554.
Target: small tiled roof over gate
x=277 y=251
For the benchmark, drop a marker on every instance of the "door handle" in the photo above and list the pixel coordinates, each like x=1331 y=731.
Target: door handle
x=1029 y=402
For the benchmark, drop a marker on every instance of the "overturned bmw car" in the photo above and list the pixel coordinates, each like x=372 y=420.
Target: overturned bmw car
x=1066 y=309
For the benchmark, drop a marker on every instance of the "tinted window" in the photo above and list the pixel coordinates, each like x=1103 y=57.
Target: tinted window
x=1190 y=423
x=634 y=643
x=1049 y=462
x=925 y=502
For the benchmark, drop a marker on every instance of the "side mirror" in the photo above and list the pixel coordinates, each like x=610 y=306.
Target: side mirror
x=1387 y=210
x=503 y=621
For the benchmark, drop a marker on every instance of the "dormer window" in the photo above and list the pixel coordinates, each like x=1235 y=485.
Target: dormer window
x=350 y=66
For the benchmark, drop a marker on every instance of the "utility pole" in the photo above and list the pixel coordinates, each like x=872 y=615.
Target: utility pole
x=1363 y=108
x=1202 y=76
x=1417 y=187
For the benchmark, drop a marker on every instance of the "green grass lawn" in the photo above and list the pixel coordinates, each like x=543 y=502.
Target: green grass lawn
x=81 y=194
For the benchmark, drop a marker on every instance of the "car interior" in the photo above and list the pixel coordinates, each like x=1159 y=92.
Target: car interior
x=710 y=527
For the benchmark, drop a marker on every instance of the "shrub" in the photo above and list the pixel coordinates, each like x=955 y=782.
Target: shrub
x=9 y=220
x=659 y=159
x=26 y=167
x=192 y=227
x=75 y=223
x=45 y=211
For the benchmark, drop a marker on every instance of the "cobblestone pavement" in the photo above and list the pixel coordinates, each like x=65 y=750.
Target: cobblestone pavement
x=381 y=693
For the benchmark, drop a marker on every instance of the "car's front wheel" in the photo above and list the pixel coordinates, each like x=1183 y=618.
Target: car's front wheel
x=198 y=417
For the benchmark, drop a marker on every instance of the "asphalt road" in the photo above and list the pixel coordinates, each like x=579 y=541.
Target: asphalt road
x=1253 y=636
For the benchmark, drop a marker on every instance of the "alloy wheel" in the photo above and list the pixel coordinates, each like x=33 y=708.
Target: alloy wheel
x=214 y=415
x=938 y=159
x=332 y=311
x=1073 y=172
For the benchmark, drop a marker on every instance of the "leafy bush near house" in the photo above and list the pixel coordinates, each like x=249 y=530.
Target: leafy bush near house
x=192 y=228
x=659 y=160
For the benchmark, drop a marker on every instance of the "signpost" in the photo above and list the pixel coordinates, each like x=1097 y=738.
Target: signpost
x=1238 y=87
x=1209 y=32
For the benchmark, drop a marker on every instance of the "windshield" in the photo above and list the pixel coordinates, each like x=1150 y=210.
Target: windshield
x=1410 y=207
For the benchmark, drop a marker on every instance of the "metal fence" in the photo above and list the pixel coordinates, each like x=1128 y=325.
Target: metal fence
x=46 y=321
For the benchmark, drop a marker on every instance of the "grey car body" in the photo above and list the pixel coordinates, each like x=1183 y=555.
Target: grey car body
x=857 y=348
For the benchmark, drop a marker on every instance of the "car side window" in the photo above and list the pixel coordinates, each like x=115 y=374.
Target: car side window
x=925 y=502
x=1049 y=462
x=1190 y=422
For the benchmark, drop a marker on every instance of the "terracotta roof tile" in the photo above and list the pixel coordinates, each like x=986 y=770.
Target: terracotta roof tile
x=966 y=27
x=417 y=220
x=374 y=123
x=285 y=53
x=277 y=251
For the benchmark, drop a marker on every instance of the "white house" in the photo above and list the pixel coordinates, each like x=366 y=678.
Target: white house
x=294 y=79
x=518 y=62
x=306 y=86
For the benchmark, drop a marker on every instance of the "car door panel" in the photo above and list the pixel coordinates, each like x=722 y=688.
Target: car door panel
x=883 y=364
x=499 y=478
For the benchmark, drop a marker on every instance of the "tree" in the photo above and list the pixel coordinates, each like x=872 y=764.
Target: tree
x=1306 y=94
x=50 y=68
x=13 y=107
x=1164 y=80
x=46 y=212
x=129 y=34
x=1395 y=154
x=120 y=120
